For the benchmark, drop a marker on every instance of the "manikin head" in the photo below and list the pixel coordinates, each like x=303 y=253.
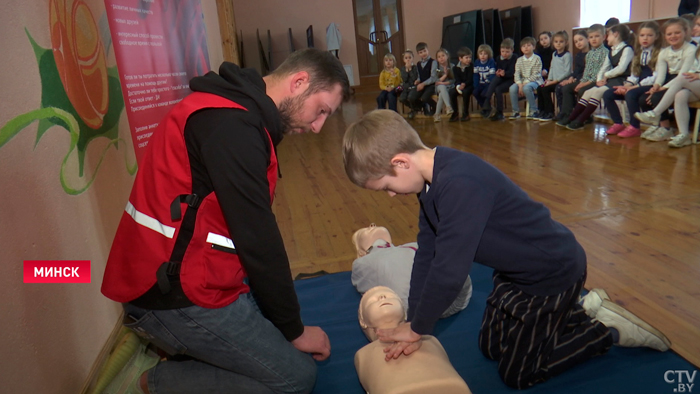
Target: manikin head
x=380 y=307
x=364 y=238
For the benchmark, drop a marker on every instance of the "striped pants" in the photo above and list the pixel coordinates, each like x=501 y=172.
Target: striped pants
x=535 y=337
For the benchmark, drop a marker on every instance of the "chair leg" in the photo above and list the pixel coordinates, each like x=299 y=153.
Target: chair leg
x=695 y=126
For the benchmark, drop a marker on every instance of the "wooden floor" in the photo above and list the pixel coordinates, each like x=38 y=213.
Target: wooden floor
x=634 y=205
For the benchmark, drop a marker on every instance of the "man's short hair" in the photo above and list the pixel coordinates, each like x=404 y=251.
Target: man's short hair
x=420 y=46
x=596 y=28
x=325 y=70
x=528 y=40
x=370 y=143
x=485 y=48
x=464 y=51
x=508 y=43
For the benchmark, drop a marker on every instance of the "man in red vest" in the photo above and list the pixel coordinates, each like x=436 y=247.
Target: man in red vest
x=198 y=261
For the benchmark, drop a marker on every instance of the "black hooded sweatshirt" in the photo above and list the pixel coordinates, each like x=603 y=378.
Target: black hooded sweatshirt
x=229 y=153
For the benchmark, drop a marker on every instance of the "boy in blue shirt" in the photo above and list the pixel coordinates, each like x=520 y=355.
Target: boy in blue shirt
x=534 y=325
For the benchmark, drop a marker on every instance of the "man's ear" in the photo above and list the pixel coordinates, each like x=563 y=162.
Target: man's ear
x=299 y=82
x=401 y=160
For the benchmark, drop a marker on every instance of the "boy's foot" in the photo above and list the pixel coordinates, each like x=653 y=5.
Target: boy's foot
x=127 y=381
x=465 y=118
x=574 y=125
x=649 y=132
x=411 y=114
x=616 y=128
x=546 y=118
x=454 y=117
x=592 y=301
x=648 y=117
x=563 y=122
x=534 y=115
x=661 y=134
x=514 y=116
x=634 y=332
x=497 y=116
x=629 y=131
x=680 y=141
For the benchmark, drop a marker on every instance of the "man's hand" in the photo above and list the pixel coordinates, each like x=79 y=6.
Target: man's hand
x=406 y=341
x=315 y=341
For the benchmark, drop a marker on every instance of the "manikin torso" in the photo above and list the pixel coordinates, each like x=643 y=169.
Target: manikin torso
x=427 y=370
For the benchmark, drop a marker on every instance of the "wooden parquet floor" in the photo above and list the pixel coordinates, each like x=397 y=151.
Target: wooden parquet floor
x=634 y=205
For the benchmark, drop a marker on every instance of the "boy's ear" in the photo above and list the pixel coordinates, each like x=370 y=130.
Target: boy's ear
x=401 y=160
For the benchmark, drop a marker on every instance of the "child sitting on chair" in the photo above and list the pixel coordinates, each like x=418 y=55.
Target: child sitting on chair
x=380 y=263
x=389 y=80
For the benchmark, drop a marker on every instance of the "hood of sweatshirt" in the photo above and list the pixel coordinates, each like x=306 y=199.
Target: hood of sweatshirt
x=247 y=88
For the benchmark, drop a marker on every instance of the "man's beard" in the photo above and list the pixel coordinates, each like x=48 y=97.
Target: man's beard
x=289 y=110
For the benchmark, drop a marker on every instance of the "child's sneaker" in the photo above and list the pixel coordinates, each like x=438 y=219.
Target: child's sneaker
x=465 y=117
x=449 y=111
x=546 y=117
x=616 y=128
x=649 y=132
x=534 y=115
x=497 y=116
x=680 y=141
x=634 y=332
x=437 y=118
x=514 y=116
x=661 y=134
x=648 y=117
x=629 y=131
x=454 y=117
x=563 y=122
x=574 y=125
x=485 y=113
x=411 y=114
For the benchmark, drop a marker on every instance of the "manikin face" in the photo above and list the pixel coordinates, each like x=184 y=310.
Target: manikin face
x=506 y=53
x=646 y=37
x=423 y=53
x=304 y=112
x=559 y=44
x=675 y=35
x=595 y=39
x=580 y=41
x=527 y=49
x=407 y=59
x=365 y=237
x=380 y=307
x=544 y=40
x=483 y=56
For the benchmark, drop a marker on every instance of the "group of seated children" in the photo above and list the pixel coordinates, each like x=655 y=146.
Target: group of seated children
x=611 y=65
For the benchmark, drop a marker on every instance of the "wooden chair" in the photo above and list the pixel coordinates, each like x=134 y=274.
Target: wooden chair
x=696 y=124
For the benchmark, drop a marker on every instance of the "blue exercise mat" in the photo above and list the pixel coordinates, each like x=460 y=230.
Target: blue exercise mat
x=331 y=302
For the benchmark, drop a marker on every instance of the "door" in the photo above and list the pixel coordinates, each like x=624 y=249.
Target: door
x=379 y=31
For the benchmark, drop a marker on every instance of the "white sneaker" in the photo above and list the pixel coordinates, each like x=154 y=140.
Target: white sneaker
x=592 y=301
x=437 y=118
x=648 y=117
x=649 y=131
x=661 y=134
x=634 y=332
x=680 y=141
x=449 y=111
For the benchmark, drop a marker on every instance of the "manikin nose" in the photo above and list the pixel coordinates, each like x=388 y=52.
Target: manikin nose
x=382 y=297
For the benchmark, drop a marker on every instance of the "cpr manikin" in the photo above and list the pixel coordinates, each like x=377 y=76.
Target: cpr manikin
x=426 y=370
x=380 y=263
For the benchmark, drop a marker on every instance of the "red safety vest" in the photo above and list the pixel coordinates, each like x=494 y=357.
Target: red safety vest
x=211 y=277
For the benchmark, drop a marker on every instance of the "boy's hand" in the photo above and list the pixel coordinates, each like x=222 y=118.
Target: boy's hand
x=602 y=82
x=462 y=86
x=521 y=93
x=416 y=82
x=420 y=86
x=500 y=72
x=315 y=341
x=621 y=90
x=581 y=85
x=549 y=83
x=653 y=89
x=406 y=341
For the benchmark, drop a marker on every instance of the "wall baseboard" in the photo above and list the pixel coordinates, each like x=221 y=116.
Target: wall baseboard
x=102 y=357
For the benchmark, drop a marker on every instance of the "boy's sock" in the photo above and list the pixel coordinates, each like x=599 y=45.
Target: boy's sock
x=589 y=110
x=580 y=107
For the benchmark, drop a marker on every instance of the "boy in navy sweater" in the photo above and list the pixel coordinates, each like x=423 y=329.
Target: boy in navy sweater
x=505 y=69
x=464 y=83
x=534 y=325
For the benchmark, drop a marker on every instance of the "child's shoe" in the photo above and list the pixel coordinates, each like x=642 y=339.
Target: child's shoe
x=563 y=122
x=497 y=116
x=630 y=131
x=648 y=117
x=661 y=134
x=454 y=117
x=465 y=117
x=514 y=116
x=634 y=332
x=485 y=113
x=574 y=125
x=593 y=301
x=449 y=111
x=437 y=118
x=546 y=117
x=680 y=141
x=533 y=115
x=649 y=132
x=615 y=129
x=411 y=114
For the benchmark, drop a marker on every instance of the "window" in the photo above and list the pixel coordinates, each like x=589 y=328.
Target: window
x=599 y=11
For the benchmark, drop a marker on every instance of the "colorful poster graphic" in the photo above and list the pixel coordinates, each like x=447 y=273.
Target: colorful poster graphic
x=159 y=46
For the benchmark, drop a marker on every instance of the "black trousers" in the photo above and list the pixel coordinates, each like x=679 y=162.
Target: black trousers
x=498 y=86
x=466 y=96
x=533 y=337
x=425 y=96
x=544 y=98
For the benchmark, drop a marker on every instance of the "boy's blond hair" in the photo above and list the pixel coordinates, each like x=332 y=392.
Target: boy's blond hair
x=370 y=143
x=528 y=40
x=485 y=48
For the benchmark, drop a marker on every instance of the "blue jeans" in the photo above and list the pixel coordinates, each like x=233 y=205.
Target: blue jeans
x=233 y=349
x=385 y=97
x=529 y=89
